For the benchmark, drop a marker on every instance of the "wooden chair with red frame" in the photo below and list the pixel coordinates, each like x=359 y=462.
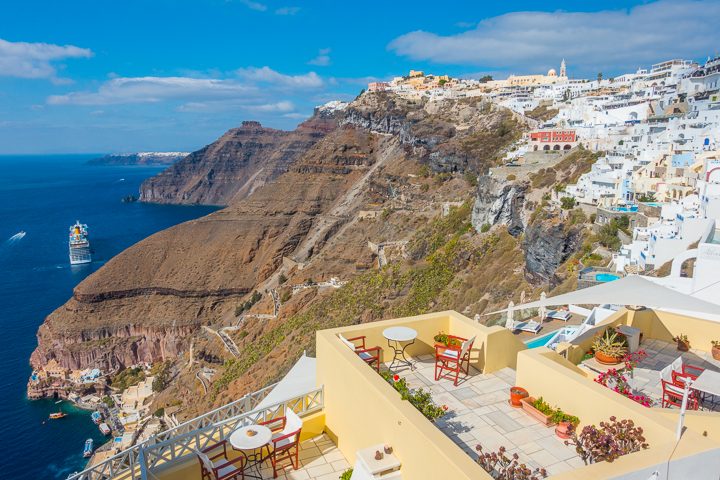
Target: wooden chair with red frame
x=370 y=355
x=452 y=358
x=216 y=465
x=285 y=440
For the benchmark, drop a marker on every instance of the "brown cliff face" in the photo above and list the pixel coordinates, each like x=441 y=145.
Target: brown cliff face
x=232 y=167
x=153 y=300
x=145 y=303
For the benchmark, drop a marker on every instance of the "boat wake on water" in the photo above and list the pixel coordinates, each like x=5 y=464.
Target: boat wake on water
x=16 y=238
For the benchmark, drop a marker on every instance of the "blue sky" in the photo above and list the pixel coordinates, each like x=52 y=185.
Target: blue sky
x=104 y=76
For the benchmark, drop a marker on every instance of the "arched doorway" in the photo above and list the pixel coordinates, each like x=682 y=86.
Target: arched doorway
x=567 y=147
x=546 y=147
x=556 y=147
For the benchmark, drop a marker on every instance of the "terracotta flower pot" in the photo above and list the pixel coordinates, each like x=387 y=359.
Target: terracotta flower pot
x=517 y=394
x=562 y=429
x=534 y=412
x=683 y=346
x=716 y=352
x=607 y=359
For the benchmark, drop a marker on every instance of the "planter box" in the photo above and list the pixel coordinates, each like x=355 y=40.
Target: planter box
x=535 y=413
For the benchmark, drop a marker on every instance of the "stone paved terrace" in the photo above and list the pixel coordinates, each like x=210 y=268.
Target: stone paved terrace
x=320 y=459
x=479 y=413
x=646 y=378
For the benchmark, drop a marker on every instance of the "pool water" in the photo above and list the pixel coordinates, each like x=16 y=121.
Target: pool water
x=606 y=277
x=540 y=341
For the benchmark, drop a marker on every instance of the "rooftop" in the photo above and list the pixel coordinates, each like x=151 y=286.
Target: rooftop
x=479 y=413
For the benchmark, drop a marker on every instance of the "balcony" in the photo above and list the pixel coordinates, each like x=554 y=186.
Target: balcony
x=478 y=413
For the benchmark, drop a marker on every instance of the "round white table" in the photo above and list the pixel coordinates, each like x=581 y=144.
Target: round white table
x=399 y=338
x=240 y=440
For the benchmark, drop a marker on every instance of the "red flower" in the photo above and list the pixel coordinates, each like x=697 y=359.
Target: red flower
x=396 y=378
x=445 y=407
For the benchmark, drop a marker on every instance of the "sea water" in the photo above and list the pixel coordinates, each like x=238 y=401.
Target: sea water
x=40 y=197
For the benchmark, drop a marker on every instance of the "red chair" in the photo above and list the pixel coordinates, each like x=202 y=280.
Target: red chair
x=285 y=440
x=371 y=355
x=673 y=395
x=451 y=359
x=218 y=466
x=680 y=369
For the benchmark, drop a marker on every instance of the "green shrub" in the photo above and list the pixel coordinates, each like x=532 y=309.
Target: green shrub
x=346 y=474
x=159 y=412
x=484 y=228
x=419 y=398
x=282 y=279
x=511 y=178
x=567 y=203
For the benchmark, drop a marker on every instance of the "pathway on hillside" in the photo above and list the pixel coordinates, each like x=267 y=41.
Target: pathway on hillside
x=340 y=212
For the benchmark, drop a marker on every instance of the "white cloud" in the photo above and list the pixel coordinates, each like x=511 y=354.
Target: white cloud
x=282 y=106
x=590 y=41
x=270 y=76
x=322 y=59
x=257 y=6
x=287 y=10
x=249 y=88
x=155 y=89
x=35 y=60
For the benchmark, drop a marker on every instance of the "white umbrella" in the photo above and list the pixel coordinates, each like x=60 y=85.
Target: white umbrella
x=543 y=297
x=509 y=324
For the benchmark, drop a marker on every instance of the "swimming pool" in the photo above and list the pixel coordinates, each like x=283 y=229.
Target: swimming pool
x=540 y=341
x=606 y=277
x=632 y=208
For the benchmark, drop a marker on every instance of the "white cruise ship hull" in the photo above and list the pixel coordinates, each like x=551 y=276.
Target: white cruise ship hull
x=80 y=255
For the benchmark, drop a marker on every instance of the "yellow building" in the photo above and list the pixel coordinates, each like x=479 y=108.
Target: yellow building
x=350 y=410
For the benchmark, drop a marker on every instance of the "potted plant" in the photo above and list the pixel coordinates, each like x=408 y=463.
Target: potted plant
x=565 y=423
x=539 y=409
x=716 y=349
x=447 y=341
x=517 y=394
x=683 y=344
x=610 y=347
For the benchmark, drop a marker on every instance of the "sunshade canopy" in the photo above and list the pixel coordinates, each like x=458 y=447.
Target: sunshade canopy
x=630 y=290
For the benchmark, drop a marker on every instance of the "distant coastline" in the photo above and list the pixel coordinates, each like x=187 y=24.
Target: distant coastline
x=139 y=158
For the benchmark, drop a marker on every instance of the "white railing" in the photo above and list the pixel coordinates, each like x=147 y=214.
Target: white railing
x=130 y=463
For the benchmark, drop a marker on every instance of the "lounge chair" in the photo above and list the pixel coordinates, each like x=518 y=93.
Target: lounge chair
x=529 y=326
x=563 y=315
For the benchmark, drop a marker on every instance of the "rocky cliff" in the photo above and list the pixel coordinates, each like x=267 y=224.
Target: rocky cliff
x=498 y=203
x=235 y=165
x=140 y=158
x=547 y=245
x=303 y=206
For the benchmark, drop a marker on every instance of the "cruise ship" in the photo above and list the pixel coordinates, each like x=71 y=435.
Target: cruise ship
x=79 y=244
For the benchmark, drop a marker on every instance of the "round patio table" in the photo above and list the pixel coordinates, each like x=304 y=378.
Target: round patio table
x=399 y=338
x=240 y=440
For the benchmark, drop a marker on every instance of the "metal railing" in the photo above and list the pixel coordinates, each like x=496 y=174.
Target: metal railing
x=196 y=433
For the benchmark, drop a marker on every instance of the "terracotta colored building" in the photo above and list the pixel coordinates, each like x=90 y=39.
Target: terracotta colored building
x=553 y=139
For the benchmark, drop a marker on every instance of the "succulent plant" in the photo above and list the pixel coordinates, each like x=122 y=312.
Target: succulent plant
x=502 y=466
x=611 y=343
x=612 y=439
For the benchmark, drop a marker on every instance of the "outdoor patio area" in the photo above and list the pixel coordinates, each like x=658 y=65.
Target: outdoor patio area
x=646 y=377
x=479 y=413
x=320 y=459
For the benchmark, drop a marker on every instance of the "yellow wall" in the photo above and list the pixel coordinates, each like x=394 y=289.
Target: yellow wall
x=362 y=410
x=544 y=373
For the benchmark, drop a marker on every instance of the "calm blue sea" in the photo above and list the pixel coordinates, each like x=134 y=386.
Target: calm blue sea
x=43 y=196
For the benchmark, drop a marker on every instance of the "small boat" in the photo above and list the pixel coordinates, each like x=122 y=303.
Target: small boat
x=104 y=428
x=88 y=450
x=96 y=418
x=58 y=415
